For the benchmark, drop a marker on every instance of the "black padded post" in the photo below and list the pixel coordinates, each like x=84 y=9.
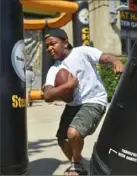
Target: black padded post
x=81 y=33
x=115 y=152
x=13 y=136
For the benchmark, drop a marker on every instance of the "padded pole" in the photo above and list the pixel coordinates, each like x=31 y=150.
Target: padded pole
x=115 y=152
x=81 y=33
x=13 y=136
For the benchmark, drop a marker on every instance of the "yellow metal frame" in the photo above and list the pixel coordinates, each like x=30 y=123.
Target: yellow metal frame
x=65 y=8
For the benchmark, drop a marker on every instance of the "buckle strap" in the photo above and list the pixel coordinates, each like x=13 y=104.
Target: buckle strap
x=76 y=167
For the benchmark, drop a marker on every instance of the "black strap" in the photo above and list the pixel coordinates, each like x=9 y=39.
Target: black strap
x=76 y=167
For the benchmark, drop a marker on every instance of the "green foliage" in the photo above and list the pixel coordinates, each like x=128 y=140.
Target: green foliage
x=109 y=78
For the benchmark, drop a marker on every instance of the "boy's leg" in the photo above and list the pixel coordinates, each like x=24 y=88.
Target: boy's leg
x=84 y=123
x=65 y=146
x=76 y=143
x=66 y=118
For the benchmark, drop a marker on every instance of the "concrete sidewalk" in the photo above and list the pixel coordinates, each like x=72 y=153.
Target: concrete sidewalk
x=45 y=156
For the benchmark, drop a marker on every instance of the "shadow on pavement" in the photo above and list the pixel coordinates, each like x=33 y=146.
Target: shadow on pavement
x=40 y=145
x=45 y=166
x=37 y=103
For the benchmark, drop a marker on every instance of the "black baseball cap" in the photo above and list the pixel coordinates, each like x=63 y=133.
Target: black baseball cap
x=60 y=33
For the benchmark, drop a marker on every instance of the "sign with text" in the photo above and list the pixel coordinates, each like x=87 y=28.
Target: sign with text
x=128 y=20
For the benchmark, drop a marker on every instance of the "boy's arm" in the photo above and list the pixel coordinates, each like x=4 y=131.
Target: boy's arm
x=55 y=93
x=52 y=93
x=95 y=56
x=110 y=59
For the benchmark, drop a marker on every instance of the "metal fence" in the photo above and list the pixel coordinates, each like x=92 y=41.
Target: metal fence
x=33 y=51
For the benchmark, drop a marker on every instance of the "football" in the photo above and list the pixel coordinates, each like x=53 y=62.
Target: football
x=61 y=78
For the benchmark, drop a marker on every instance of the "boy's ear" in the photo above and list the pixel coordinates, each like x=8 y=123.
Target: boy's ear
x=66 y=43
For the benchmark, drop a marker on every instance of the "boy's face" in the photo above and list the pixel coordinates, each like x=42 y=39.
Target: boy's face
x=55 y=47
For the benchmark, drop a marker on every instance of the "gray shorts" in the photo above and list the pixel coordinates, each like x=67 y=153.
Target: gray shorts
x=84 y=118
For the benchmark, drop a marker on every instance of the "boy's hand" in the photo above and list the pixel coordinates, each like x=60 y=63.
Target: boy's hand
x=118 y=66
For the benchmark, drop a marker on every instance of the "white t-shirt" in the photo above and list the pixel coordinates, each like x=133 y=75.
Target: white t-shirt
x=81 y=62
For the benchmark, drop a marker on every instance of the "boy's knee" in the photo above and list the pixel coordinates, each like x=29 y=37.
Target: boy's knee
x=72 y=133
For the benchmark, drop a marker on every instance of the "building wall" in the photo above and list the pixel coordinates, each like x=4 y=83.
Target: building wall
x=69 y=29
x=104 y=35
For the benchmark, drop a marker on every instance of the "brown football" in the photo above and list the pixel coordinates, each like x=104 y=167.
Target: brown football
x=61 y=78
